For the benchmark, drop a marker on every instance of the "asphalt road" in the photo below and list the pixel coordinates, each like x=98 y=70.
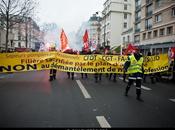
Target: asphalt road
x=30 y=100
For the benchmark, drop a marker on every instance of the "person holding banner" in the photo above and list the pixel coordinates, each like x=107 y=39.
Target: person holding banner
x=70 y=74
x=53 y=72
x=85 y=52
x=113 y=75
x=135 y=70
x=97 y=76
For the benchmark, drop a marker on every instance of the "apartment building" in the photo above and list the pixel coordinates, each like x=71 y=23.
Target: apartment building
x=25 y=34
x=94 y=31
x=3 y=37
x=155 y=25
x=116 y=17
x=128 y=33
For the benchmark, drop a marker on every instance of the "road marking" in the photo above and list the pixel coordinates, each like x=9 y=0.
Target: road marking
x=143 y=87
x=146 y=88
x=173 y=100
x=84 y=91
x=103 y=122
x=121 y=78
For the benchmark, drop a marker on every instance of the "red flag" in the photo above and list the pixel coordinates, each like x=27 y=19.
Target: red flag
x=130 y=49
x=172 y=52
x=86 y=40
x=64 y=41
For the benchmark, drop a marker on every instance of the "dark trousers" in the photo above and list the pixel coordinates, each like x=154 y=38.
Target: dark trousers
x=53 y=73
x=97 y=77
x=138 y=87
x=70 y=74
x=82 y=75
x=114 y=76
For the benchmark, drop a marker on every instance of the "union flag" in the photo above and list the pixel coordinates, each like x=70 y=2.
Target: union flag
x=86 y=40
x=64 y=41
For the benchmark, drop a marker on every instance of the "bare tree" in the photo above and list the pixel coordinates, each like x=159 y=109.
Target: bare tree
x=13 y=12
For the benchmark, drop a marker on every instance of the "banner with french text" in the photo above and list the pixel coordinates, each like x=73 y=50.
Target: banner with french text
x=36 y=61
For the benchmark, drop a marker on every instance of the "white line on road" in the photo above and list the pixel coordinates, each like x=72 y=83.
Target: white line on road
x=84 y=91
x=173 y=100
x=146 y=88
x=103 y=122
x=143 y=87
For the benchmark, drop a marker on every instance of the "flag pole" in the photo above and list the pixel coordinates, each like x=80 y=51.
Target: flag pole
x=121 y=49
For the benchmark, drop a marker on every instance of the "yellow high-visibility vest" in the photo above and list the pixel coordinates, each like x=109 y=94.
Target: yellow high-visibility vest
x=135 y=66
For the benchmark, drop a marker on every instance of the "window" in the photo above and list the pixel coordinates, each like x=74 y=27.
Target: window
x=125 y=25
x=162 y=32
x=125 y=0
x=158 y=18
x=137 y=38
x=170 y=30
x=123 y=39
x=149 y=35
x=137 y=27
x=155 y=33
x=138 y=15
x=11 y=43
x=19 y=38
x=149 y=10
x=158 y=3
x=128 y=39
x=138 y=3
x=125 y=15
x=125 y=7
x=148 y=23
x=19 y=44
x=173 y=11
x=144 y=36
x=148 y=1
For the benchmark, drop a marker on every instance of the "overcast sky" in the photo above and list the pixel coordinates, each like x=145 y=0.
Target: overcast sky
x=68 y=14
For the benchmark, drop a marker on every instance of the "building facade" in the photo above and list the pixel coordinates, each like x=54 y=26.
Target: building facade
x=25 y=34
x=94 y=25
x=116 y=17
x=128 y=17
x=155 y=25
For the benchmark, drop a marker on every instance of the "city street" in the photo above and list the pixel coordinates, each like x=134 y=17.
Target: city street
x=29 y=100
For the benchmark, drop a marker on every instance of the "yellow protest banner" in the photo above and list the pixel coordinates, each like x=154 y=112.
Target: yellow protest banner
x=157 y=63
x=20 y=62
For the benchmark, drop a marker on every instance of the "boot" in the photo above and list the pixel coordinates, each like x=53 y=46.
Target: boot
x=127 y=90
x=51 y=78
x=138 y=92
x=139 y=99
